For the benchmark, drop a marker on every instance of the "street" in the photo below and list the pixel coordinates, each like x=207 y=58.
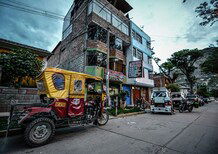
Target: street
x=194 y=132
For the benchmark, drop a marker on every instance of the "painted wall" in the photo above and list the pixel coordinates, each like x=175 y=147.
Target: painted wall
x=145 y=81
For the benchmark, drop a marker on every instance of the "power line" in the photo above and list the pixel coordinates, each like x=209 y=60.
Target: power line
x=32 y=10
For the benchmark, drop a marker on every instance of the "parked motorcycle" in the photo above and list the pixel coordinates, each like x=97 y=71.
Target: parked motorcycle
x=186 y=106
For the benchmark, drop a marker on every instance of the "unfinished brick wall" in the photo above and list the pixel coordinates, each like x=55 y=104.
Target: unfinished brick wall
x=95 y=44
x=22 y=95
x=55 y=58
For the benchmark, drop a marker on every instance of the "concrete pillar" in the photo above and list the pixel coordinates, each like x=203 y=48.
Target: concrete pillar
x=0 y=73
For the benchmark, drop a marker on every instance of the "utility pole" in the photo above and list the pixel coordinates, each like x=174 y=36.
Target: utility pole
x=108 y=64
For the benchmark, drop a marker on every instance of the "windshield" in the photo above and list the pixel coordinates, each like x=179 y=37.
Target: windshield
x=159 y=94
x=191 y=96
x=176 y=95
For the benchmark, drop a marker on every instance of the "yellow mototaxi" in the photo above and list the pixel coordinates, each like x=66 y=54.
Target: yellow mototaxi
x=67 y=99
x=69 y=90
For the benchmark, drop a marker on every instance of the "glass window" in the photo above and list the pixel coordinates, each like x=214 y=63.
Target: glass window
x=118 y=44
x=139 y=55
x=78 y=85
x=133 y=33
x=58 y=80
x=125 y=29
x=97 y=33
x=40 y=85
x=134 y=52
x=138 y=38
x=103 y=12
x=96 y=59
x=90 y=8
x=96 y=8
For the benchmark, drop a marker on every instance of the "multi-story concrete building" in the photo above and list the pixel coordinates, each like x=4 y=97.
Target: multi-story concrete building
x=139 y=65
x=84 y=45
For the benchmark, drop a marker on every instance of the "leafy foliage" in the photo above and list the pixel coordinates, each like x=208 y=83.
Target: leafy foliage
x=170 y=70
x=19 y=64
x=173 y=87
x=184 y=60
x=207 y=11
x=210 y=65
x=202 y=91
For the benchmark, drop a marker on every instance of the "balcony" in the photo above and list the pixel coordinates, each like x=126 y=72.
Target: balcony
x=115 y=76
x=95 y=71
x=97 y=45
x=114 y=53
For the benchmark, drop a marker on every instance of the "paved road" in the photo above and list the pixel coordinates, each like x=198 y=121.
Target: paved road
x=195 y=132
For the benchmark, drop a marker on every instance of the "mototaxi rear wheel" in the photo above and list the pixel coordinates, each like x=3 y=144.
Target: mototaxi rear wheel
x=103 y=118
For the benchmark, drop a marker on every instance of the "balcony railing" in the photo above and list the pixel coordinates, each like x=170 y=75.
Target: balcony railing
x=97 y=45
x=114 y=53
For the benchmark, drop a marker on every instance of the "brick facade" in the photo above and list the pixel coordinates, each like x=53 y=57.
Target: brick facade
x=72 y=51
x=22 y=95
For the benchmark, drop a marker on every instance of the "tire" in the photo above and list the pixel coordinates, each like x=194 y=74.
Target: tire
x=181 y=108
x=32 y=135
x=103 y=118
x=190 y=108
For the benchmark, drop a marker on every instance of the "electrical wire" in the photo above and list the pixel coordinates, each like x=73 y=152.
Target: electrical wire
x=31 y=10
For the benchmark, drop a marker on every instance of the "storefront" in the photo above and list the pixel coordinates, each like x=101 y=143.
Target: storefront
x=128 y=98
x=140 y=93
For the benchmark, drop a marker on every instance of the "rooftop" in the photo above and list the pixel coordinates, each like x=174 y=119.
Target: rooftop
x=6 y=44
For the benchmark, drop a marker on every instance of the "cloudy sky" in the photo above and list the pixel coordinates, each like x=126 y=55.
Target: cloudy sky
x=172 y=25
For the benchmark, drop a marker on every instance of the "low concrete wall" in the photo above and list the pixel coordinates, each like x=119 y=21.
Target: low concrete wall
x=22 y=95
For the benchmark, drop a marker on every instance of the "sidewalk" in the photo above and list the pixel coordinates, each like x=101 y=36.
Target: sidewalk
x=129 y=114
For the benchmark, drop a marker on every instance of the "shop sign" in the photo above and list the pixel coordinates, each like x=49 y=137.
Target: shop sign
x=116 y=76
x=135 y=69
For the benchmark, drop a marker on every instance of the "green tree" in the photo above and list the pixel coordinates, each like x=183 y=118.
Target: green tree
x=17 y=65
x=202 y=91
x=208 y=11
x=168 y=69
x=184 y=60
x=173 y=87
x=210 y=65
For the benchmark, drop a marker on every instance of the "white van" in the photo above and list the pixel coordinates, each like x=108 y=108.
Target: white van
x=161 y=101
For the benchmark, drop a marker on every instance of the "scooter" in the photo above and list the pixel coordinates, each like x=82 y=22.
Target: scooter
x=186 y=106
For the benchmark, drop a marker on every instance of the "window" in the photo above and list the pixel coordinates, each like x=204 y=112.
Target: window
x=148 y=45
x=104 y=13
x=101 y=11
x=137 y=53
x=116 y=43
x=134 y=52
x=133 y=33
x=58 y=81
x=78 y=85
x=149 y=60
x=95 y=58
x=138 y=38
x=96 y=32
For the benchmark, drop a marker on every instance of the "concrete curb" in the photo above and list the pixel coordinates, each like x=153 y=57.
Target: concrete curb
x=126 y=115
